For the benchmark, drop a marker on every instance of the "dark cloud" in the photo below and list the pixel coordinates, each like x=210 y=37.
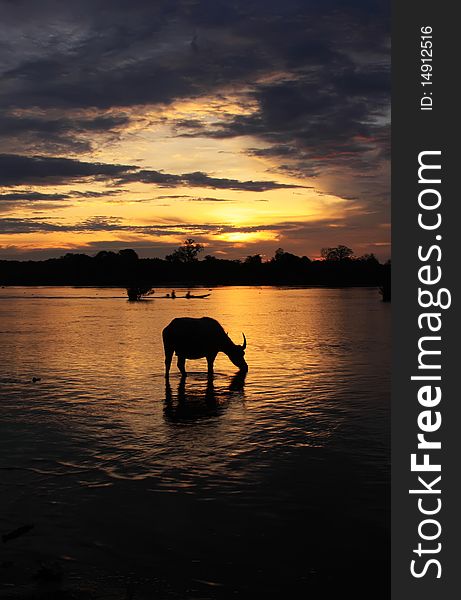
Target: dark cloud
x=116 y=224
x=318 y=123
x=326 y=107
x=316 y=74
x=41 y=170
x=200 y=179
x=91 y=194
x=135 y=53
x=155 y=52
x=291 y=229
x=56 y=134
x=195 y=198
x=10 y=225
x=13 y=225
x=31 y=196
x=10 y=201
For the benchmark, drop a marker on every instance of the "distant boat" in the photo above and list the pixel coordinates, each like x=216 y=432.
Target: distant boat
x=140 y=292
x=197 y=296
x=186 y=297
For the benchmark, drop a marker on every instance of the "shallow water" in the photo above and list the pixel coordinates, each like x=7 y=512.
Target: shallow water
x=124 y=479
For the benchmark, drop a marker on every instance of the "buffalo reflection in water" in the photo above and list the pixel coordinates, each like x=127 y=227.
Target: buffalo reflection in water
x=193 y=404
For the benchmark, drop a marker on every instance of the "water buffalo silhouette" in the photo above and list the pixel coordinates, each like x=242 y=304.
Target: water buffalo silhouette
x=200 y=338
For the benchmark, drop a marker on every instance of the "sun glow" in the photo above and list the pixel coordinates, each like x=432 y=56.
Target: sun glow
x=243 y=237
x=232 y=218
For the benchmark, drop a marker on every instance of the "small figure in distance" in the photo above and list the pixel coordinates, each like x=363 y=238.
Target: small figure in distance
x=173 y=294
x=188 y=294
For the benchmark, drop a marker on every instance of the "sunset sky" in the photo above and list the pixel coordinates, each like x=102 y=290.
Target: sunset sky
x=247 y=125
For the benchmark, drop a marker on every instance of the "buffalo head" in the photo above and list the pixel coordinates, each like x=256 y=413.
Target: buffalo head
x=237 y=353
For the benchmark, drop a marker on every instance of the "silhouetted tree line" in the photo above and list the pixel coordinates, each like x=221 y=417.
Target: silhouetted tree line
x=338 y=267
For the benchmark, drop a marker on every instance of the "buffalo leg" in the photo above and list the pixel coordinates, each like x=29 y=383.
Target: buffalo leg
x=182 y=365
x=210 y=361
x=168 y=358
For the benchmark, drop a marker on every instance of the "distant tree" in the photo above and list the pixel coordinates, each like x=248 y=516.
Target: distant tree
x=284 y=258
x=386 y=281
x=75 y=257
x=128 y=254
x=369 y=258
x=340 y=253
x=187 y=253
x=135 y=293
x=105 y=254
x=279 y=253
x=255 y=259
x=123 y=269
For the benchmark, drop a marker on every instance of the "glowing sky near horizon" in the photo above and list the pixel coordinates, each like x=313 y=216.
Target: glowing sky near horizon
x=246 y=126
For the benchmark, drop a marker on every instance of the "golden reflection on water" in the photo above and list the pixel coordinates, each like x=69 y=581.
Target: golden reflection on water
x=318 y=372
x=98 y=448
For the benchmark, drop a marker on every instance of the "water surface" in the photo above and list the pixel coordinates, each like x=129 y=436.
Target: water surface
x=203 y=490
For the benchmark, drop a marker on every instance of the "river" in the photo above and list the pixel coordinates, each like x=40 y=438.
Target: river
x=278 y=485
